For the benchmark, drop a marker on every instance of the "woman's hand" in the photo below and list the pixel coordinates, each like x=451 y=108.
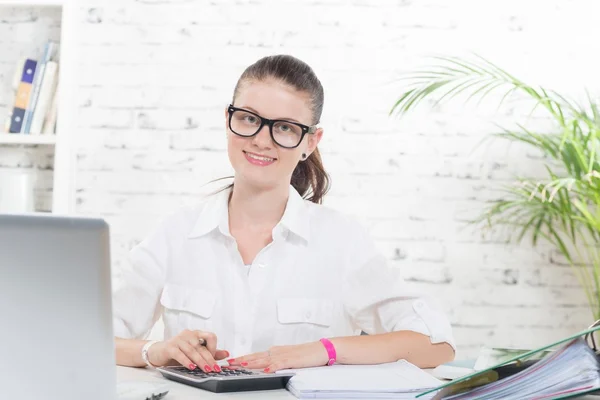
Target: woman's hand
x=283 y=357
x=191 y=349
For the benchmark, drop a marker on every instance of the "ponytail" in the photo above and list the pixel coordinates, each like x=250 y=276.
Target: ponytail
x=310 y=178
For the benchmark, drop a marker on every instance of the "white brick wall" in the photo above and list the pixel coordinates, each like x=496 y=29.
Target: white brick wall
x=156 y=75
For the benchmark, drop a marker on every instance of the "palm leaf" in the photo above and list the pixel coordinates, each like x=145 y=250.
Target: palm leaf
x=564 y=207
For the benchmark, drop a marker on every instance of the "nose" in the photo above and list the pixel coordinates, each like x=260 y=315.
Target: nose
x=263 y=138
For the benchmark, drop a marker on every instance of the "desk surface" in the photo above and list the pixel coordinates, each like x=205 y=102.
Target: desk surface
x=179 y=391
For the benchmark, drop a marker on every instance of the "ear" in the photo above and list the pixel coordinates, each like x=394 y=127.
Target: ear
x=313 y=140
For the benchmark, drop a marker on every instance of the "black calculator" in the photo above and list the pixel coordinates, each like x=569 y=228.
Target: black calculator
x=228 y=380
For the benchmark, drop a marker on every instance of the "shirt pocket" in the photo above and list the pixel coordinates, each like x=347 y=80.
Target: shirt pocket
x=187 y=308
x=302 y=320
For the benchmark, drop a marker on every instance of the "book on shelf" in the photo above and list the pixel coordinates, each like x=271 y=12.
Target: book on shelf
x=49 y=125
x=36 y=88
x=23 y=82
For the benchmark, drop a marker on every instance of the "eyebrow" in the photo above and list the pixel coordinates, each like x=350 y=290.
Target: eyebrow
x=284 y=119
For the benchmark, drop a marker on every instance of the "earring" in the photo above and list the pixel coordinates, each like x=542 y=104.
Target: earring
x=304 y=156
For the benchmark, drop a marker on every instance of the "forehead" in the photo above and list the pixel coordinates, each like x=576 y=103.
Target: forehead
x=273 y=99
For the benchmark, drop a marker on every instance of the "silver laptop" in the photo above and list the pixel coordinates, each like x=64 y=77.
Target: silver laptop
x=56 y=339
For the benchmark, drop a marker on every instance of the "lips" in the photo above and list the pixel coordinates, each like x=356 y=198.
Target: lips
x=258 y=159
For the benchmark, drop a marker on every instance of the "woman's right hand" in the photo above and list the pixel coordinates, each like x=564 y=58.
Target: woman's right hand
x=191 y=349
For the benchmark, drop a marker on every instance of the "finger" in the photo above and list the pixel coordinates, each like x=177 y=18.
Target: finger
x=259 y=364
x=194 y=355
x=193 y=339
x=176 y=354
x=276 y=366
x=221 y=354
x=197 y=343
x=271 y=368
x=173 y=363
x=249 y=358
x=210 y=340
x=209 y=359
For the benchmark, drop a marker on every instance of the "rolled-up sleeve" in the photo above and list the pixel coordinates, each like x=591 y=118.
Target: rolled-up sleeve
x=138 y=286
x=379 y=300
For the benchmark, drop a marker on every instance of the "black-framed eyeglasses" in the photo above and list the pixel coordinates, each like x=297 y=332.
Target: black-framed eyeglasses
x=284 y=133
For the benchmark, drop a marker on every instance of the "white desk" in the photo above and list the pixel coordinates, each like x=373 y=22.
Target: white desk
x=179 y=391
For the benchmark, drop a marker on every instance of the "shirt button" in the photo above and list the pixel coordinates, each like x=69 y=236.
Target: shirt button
x=261 y=265
x=419 y=304
x=243 y=341
x=308 y=315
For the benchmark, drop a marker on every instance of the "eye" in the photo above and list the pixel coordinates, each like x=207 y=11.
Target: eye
x=285 y=128
x=250 y=119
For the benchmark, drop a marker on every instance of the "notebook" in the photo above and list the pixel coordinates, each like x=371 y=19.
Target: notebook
x=571 y=370
x=398 y=380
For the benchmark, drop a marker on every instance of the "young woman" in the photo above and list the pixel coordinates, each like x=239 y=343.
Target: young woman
x=262 y=272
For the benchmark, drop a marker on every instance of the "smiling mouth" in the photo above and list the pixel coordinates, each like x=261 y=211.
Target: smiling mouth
x=259 y=158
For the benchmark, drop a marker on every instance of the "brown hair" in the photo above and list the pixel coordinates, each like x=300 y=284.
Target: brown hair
x=309 y=178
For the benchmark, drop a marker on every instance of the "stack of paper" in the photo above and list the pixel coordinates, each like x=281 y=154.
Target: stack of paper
x=573 y=369
x=488 y=357
x=399 y=380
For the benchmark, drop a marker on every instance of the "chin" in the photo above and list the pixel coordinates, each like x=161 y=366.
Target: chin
x=258 y=180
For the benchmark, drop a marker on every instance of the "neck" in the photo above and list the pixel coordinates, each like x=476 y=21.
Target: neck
x=257 y=209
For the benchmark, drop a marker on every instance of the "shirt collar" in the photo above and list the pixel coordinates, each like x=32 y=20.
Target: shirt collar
x=295 y=217
x=215 y=214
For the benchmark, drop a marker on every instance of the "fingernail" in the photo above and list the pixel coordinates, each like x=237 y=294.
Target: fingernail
x=226 y=352
x=207 y=368
x=244 y=364
x=192 y=366
x=266 y=369
x=217 y=368
x=231 y=360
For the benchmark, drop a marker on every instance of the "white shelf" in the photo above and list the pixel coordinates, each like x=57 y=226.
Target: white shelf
x=32 y=3
x=19 y=138
x=61 y=143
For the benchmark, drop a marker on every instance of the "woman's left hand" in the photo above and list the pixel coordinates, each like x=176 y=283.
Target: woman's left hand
x=284 y=357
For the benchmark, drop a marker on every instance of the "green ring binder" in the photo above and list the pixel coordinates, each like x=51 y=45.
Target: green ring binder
x=480 y=379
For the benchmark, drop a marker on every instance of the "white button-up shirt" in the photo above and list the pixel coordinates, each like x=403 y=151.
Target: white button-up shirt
x=321 y=276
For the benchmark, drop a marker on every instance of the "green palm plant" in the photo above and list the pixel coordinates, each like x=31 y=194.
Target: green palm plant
x=563 y=208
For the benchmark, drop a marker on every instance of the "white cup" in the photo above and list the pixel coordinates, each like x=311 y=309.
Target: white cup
x=17 y=191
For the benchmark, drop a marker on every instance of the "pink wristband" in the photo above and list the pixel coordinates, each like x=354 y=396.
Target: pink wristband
x=330 y=351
